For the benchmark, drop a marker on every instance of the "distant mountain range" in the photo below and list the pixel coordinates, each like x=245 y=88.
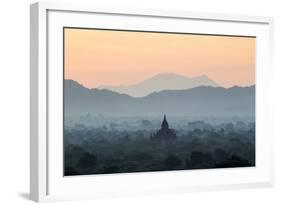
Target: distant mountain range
x=163 y=81
x=198 y=101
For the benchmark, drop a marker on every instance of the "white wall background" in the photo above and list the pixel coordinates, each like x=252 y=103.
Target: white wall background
x=14 y=101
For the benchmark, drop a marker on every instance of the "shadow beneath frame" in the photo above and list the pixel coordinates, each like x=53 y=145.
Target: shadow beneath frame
x=24 y=195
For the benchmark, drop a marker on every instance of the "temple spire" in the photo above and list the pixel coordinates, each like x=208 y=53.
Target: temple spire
x=164 y=124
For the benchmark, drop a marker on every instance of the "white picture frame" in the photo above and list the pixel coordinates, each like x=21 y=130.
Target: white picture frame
x=47 y=182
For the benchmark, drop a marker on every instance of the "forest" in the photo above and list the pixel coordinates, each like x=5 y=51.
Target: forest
x=117 y=145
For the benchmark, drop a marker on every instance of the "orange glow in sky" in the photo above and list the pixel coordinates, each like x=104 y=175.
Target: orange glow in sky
x=104 y=57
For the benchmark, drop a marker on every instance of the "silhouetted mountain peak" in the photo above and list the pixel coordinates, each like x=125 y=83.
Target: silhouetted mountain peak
x=167 y=75
x=161 y=81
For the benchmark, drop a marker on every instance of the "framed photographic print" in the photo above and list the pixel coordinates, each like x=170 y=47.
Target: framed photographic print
x=128 y=101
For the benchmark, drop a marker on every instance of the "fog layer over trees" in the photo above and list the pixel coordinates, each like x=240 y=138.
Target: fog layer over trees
x=102 y=144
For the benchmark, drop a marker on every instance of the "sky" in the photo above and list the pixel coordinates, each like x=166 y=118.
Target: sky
x=105 y=57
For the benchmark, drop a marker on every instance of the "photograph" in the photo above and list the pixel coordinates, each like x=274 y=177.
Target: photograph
x=145 y=101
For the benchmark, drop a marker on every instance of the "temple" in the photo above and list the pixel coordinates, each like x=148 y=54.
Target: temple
x=165 y=134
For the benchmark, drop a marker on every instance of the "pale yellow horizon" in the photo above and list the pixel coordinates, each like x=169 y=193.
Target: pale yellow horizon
x=106 y=57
